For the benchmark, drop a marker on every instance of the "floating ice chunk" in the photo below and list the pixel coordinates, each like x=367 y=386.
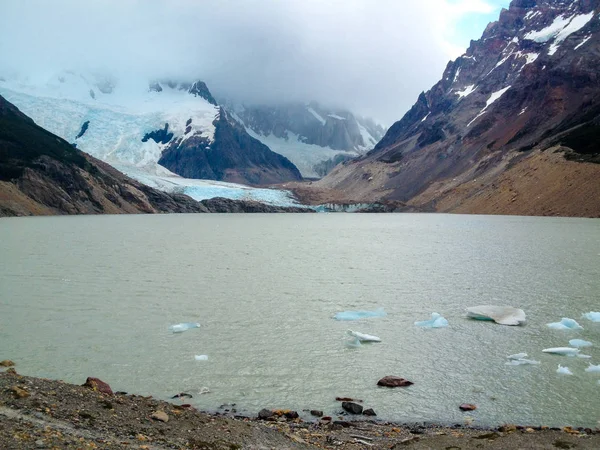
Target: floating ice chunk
x=593 y=316
x=362 y=337
x=353 y=343
x=181 y=327
x=203 y=390
x=437 y=321
x=593 y=368
x=201 y=357
x=565 y=324
x=580 y=343
x=504 y=315
x=583 y=356
x=521 y=362
x=517 y=356
x=356 y=315
x=568 y=351
x=563 y=370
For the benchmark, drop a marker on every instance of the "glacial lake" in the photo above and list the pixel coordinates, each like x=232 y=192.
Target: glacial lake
x=95 y=296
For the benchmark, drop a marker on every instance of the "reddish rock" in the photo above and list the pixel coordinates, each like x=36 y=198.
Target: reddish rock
x=98 y=385
x=467 y=407
x=393 y=381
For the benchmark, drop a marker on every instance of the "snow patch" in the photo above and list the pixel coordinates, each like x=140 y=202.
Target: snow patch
x=559 y=30
x=495 y=96
x=587 y=38
x=425 y=118
x=335 y=116
x=457 y=75
x=523 y=110
x=468 y=90
x=316 y=115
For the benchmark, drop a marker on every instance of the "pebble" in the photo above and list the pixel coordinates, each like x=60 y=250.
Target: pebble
x=468 y=407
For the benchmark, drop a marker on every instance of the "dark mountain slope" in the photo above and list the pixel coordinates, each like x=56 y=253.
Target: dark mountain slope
x=530 y=83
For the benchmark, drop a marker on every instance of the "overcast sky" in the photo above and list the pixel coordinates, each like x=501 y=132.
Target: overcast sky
x=372 y=56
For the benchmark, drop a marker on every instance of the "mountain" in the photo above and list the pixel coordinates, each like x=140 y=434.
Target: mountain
x=42 y=174
x=132 y=125
x=309 y=135
x=512 y=127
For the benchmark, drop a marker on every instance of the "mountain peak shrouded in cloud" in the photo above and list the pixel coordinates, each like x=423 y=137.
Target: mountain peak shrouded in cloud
x=371 y=57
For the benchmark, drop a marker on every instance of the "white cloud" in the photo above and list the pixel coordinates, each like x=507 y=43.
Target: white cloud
x=371 y=56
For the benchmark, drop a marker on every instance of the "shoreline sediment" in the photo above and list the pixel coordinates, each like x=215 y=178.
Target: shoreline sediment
x=42 y=413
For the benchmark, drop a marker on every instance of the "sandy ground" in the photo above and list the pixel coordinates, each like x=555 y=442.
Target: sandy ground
x=39 y=413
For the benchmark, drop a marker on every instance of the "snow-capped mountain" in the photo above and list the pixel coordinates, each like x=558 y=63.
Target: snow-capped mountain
x=309 y=135
x=133 y=124
x=530 y=83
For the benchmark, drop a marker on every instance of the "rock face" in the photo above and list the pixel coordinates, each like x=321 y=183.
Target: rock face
x=233 y=155
x=529 y=84
x=42 y=174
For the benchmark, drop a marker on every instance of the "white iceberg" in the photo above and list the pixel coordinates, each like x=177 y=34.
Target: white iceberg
x=504 y=315
x=565 y=324
x=356 y=315
x=583 y=356
x=580 y=343
x=593 y=368
x=519 y=359
x=181 y=327
x=563 y=370
x=565 y=351
x=521 y=362
x=594 y=316
x=436 y=321
x=201 y=357
x=362 y=337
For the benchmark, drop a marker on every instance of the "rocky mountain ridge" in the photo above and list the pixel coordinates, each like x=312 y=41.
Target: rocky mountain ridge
x=530 y=83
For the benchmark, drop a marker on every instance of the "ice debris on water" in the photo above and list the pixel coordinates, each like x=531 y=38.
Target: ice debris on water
x=181 y=327
x=579 y=343
x=594 y=316
x=352 y=343
x=565 y=351
x=581 y=355
x=201 y=357
x=563 y=370
x=362 y=337
x=565 y=324
x=356 y=315
x=520 y=359
x=436 y=321
x=203 y=390
x=503 y=315
x=593 y=368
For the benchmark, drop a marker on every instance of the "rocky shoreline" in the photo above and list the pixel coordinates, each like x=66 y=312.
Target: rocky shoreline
x=39 y=413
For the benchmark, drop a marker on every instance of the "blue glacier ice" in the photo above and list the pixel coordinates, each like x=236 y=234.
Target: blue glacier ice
x=181 y=327
x=579 y=343
x=436 y=321
x=563 y=370
x=201 y=357
x=594 y=316
x=356 y=315
x=565 y=324
x=593 y=368
x=352 y=343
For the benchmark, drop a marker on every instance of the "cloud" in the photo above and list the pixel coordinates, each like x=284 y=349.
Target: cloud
x=371 y=56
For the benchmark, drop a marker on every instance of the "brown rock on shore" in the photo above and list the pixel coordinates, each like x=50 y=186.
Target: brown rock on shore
x=393 y=381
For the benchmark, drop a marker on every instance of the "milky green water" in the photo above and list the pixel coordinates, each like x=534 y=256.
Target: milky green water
x=94 y=296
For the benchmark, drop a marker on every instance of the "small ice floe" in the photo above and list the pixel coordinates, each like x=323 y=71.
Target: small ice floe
x=565 y=324
x=362 y=337
x=563 y=370
x=594 y=316
x=352 y=343
x=356 y=315
x=581 y=355
x=203 y=390
x=504 y=315
x=593 y=368
x=436 y=321
x=520 y=359
x=565 y=351
x=580 y=343
x=201 y=357
x=181 y=327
